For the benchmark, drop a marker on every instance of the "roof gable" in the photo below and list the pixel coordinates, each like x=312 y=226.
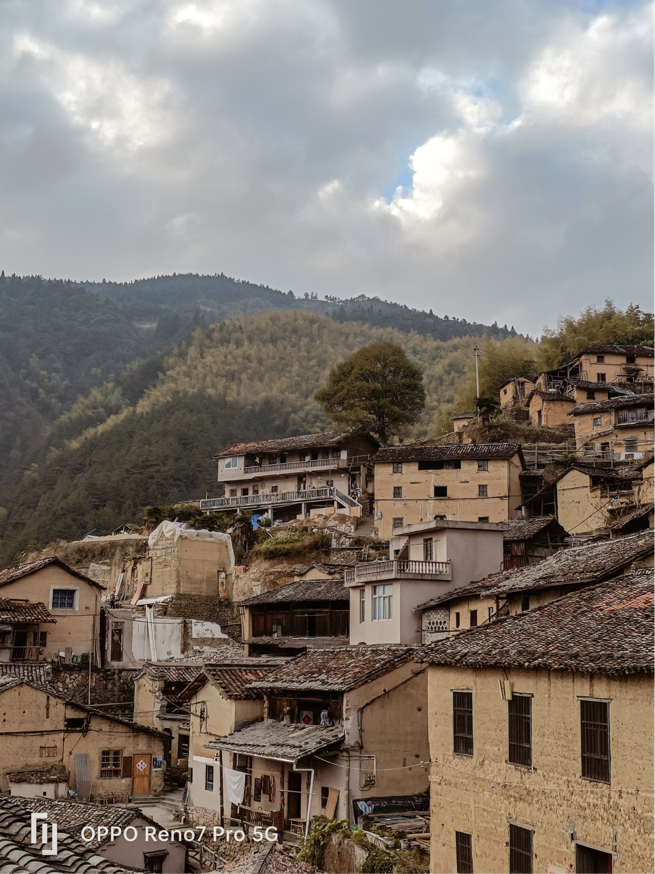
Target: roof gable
x=289 y=444
x=12 y=574
x=302 y=590
x=621 y=402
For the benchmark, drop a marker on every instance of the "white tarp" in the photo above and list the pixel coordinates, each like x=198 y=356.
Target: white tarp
x=235 y=785
x=175 y=531
x=206 y=629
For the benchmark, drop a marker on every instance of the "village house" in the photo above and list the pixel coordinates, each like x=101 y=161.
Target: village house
x=18 y=854
x=296 y=477
x=308 y=612
x=549 y=409
x=23 y=630
x=461 y=420
x=631 y=366
x=528 y=541
x=520 y=590
x=620 y=428
x=105 y=756
x=72 y=600
x=468 y=483
x=425 y=561
x=220 y=702
x=132 y=851
x=541 y=737
x=515 y=391
x=337 y=731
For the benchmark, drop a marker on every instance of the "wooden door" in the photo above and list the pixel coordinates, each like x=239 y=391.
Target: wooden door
x=141 y=766
x=117 y=642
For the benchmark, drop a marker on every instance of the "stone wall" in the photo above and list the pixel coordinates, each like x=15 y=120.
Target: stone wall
x=108 y=685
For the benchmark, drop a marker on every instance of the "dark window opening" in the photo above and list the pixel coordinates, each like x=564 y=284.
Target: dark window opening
x=601 y=377
x=154 y=861
x=463 y=723
x=397 y=491
x=474 y=618
x=63 y=599
x=595 y=740
x=209 y=778
x=457 y=620
x=520 y=730
x=245 y=493
x=483 y=518
x=482 y=492
x=325 y=794
x=520 y=850
x=525 y=603
x=464 y=850
x=591 y=861
x=453 y=464
x=397 y=467
x=440 y=491
x=72 y=724
x=600 y=359
x=483 y=464
x=428 y=549
x=630 y=359
x=591 y=395
x=397 y=522
x=183 y=746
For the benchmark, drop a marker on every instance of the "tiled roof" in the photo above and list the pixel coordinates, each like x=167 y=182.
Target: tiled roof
x=12 y=610
x=47 y=774
x=286 y=444
x=287 y=742
x=480 y=587
x=549 y=396
x=171 y=673
x=606 y=629
x=38 y=674
x=622 y=521
x=611 y=387
x=472 y=451
x=232 y=681
x=269 y=860
x=19 y=856
x=614 y=404
x=16 y=573
x=298 y=642
x=302 y=590
x=324 y=567
x=615 y=349
x=524 y=529
x=337 y=670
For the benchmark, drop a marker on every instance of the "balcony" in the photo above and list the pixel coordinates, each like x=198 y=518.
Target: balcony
x=265 y=469
x=374 y=571
x=275 y=499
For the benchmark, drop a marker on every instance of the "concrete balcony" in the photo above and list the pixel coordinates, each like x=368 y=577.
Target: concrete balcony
x=267 y=469
x=378 y=571
x=281 y=499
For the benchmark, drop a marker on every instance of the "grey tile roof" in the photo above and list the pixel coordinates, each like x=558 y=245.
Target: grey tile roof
x=271 y=860
x=9 y=575
x=525 y=529
x=297 y=642
x=616 y=349
x=286 y=444
x=282 y=741
x=302 y=590
x=233 y=681
x=56 y=773
x=38 y=674
x=473 y=451
x=614 y=404
x=12 y=610
x=171 y=673
x=549 y=396
x=606 y=629
x=337 y=670
x=480 y=587
x=622 y=521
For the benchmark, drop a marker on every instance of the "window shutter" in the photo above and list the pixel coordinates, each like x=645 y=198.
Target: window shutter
x=127 y=766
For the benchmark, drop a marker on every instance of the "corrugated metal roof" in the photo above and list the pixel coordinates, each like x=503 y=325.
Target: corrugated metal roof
x=285 y=444
x=473 y=451
x=302 y=590
x=337 y=670
x=606 y=629
x=614 y=404
x=12 y=610
x=286 y=742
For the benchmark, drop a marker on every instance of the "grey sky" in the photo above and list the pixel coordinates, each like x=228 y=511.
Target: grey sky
x=490 y=159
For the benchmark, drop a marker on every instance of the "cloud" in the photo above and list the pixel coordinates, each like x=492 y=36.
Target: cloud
x=492 y=161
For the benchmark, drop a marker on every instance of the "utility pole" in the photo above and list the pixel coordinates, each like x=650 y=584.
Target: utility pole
x=476 y=352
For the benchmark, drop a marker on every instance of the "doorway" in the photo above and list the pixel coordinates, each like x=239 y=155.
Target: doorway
x=294 y=787
x=116 y=642
x=141 y=774
x=20 y=645
x=588 y=860
x=302 y=483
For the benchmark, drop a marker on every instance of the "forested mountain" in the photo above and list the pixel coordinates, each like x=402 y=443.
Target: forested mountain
x=148 y=437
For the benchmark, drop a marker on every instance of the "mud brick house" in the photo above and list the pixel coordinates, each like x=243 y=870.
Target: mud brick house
x=549 y=409
x=308 y=612
x=71 y=817
x=522 y=589
x=617 y=429
x=541 y=737
x=105 y=757
x=528 y=541
x=19 y=855
x=295 y=477
x=425 y=561
x=629 y=366
x=72 y=600
x=23 y=630
x=342 y=725
x=467 y=483
x=515 y=391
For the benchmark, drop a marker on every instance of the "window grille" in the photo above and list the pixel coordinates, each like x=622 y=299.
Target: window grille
x=520 y=850
x=111 y=764
x=520 y=730
x=595 y=740
x=482 y=491
x=397 y=491
x=464 y=850
x=463 y=723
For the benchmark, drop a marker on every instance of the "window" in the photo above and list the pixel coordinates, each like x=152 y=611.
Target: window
x=325 y=794
x=382 y=601
x=595 y=740
x=428 y=549
x=274 y=490
x=111 y=763
x=397 y=491
x=600 y=359
x=397 y=522
x=591 y=395
x=233 y=493
x=48 y=752
x=183 y=746
x=464 y=851
x=154 y=861
x=588 y=860
x=209 y=778
x=520 y=730
x=490 y=613
x=453 y=464
x=474 y=618
x=244 y=493
x=40 y=638
x=630 y=359
x=190 y=772
x=483 y=518
x=601 y=377
x=597 y=421
x=631 y=416
x=482 y=491
x=457 y=620
x=63 y=599
x=631 y=444
x=74 y=723
x=483 y=464
x=520 y=850
x=525 y=603
x=362 y=605
x=397 y=467
x=440 y=491
x=230 y=463
x=463 y=723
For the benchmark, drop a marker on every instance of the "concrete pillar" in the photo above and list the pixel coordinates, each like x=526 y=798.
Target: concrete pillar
x=303 y=510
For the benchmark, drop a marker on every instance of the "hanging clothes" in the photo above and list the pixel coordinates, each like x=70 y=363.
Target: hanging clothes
x=235 y=785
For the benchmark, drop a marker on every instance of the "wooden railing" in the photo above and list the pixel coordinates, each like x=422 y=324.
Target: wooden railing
x=398 y=570
x=273 y=498
x=292 y=465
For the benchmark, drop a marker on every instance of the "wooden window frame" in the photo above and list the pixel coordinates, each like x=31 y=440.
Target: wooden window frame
x=519 y=727
x=396 y=467
x=517 y=854
x=209 y=784
x=462 y=722
x=483 y=491
x=464 y=852
x=109 y=769
x=398 y=492
x=595 y=764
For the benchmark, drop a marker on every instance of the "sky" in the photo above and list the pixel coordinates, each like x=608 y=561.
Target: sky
x=486 y=159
